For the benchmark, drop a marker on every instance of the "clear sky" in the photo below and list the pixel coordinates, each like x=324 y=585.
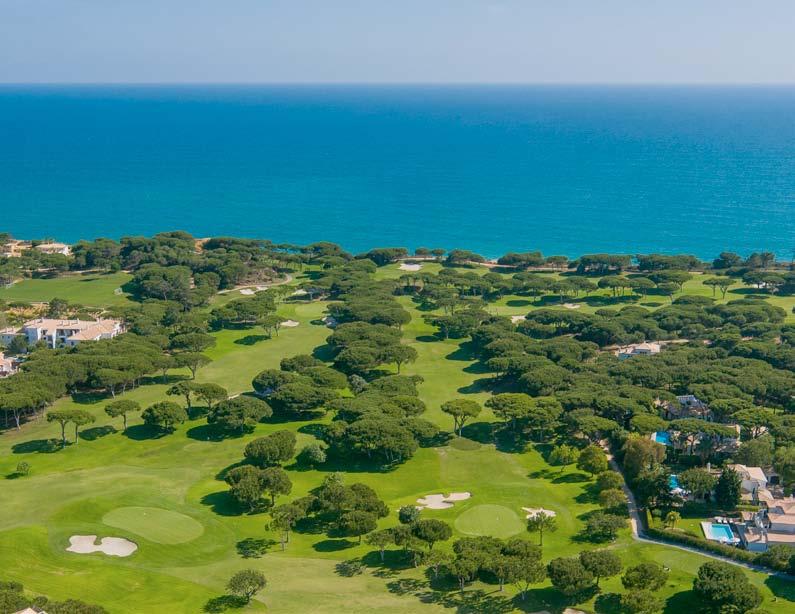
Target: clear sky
x=369 y=41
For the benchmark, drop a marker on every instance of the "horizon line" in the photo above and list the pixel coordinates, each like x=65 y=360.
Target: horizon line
x=748 y=84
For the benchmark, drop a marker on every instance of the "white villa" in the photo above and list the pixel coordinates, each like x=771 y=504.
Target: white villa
x=64 y=332
x=772 y=525
x=753 y=479
x=54 y=248
x=640 y=349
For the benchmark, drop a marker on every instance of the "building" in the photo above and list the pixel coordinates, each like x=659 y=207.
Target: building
x=753 y=479
x=775 y=523
x=8 y=366
x=640 y=349
x=54 y=248
x=67 y=333
x=687 y=406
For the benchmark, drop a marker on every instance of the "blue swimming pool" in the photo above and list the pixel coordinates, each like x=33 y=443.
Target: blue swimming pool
x=718 y=532
x=663 y=437
x=673 y=482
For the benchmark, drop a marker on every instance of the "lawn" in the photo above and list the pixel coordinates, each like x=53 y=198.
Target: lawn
x=92 y=290
x=165 y=494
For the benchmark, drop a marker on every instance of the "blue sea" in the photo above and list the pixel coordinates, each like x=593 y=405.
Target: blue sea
x=564 y=170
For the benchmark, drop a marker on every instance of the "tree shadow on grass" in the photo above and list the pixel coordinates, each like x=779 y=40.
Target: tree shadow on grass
x=160 y=380
x=324 y=352
x=521 y=302
x=570 y=478
x=141 y=432
x=482 y=384
x=465 y=352
x=38 y=446
x=315 y=430
x=253 y=548
x=89 y=398
x=481 y=432
x=333 y=545
x=393 y=562
x=210 y=432
x=781 y=587
x=224 y=603
x=683 y=601
x=97 y=432
x=608 y=603
x=197 y=411
x=471 y=601
x=222 y=503
x=251 y=339
x=350 y=568
x=427 y=338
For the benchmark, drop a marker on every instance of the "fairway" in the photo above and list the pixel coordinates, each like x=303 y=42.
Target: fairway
x=93 y=290
x=495 y=520
x=155 y=524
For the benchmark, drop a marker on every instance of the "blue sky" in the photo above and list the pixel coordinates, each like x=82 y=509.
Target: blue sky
x=371 y=41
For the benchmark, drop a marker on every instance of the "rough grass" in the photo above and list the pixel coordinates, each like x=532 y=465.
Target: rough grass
x=79 y=489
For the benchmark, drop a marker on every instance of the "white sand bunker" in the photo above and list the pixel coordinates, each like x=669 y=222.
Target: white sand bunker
x=571 y=305
x=515 y=319
x=442 y=502
x=247 y=291
x=299 y=293
x=405 y=266
x=290 y=323
x=112 y=546
x=534 y=511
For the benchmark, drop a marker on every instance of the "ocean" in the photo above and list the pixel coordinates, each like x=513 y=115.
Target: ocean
x=562 y=169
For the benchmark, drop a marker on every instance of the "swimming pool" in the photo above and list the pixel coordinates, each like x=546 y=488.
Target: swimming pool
x=673 y=482
x=718 y=532
x=663 y=437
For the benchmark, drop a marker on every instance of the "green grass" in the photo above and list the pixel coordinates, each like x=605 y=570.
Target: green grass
x=155 y=524
x=495 y=520
x=101 y=487
x=92 y=290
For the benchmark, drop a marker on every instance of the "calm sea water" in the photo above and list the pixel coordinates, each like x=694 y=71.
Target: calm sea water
x=566 y=170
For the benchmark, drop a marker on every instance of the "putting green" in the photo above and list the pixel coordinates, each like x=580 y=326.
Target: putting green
x=494 y=520
x=155 y=524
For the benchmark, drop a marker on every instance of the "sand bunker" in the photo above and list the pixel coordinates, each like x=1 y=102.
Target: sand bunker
x=532 y=511
x=515 y=319
x=112 y=546
x=442 y=502
x=405 y=266
x=290 y=323
x=247 y=291
x=299 y=293
x=571 y=305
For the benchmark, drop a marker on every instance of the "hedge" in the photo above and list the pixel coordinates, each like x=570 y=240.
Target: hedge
x=730 y=552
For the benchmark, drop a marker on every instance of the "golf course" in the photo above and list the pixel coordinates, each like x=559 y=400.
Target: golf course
x=167 y=494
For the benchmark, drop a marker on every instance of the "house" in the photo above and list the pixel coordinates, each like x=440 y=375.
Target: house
x=769 y=527
x=13 y=248
x=8 y=366
x=640 y=349
x=753 y=478
x=54 y=248
x=31 y=610
x=687 y=406
x=64 y=332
